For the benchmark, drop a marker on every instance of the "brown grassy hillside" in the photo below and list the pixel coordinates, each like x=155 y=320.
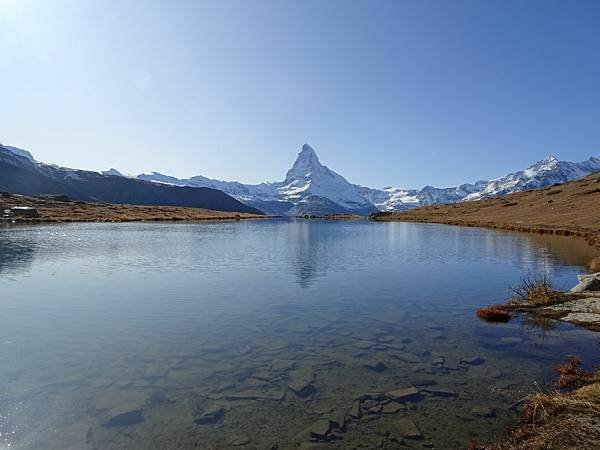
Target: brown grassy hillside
x=568 y=209
x=68 y=211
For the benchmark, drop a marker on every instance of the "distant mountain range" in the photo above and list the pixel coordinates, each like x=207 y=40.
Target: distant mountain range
x=312 y=188
x=309 y=187
x=21 y=174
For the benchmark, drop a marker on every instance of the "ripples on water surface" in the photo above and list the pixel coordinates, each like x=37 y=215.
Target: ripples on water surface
x=196 y=335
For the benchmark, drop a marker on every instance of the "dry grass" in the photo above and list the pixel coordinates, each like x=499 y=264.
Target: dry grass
x=534 y=292
x=558 y=420
x=494 y=313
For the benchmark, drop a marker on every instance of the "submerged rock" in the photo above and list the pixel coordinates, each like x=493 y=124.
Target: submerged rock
x=320 y=429
x=375 y=366
x=125 y=419
x=405 y=394
x=210 y=415
x=392 y=408
x=473 y=361
x=441 y=392
x=408 y=429
x=236 y=441
x=301 y=382
x=355 y=410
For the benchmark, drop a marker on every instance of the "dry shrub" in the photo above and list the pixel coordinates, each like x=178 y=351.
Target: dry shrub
x=535 y=291
x=558 y=419
x=572 y=376
x=494 y=313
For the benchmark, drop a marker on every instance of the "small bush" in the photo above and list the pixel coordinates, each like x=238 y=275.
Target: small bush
x=535 y=291
x=494 y=313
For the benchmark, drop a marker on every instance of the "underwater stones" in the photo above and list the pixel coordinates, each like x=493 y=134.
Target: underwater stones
x=408 y=429
x=375 y=366
x=482 y=411
x=125 y=419
x=404 y=394
x=210 y=415
x=473 y=360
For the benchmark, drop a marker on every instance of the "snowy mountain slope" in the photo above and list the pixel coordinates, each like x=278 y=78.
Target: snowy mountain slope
x=19 y=152
x=306 y=179
x=543 y=173
x=308 y=184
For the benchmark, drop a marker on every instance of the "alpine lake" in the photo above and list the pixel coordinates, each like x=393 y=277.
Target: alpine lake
x=271 y=334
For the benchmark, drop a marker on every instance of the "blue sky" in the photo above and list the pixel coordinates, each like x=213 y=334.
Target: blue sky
x=402 y=93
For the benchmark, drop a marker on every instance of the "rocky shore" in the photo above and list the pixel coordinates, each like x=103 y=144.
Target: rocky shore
x=580 y=306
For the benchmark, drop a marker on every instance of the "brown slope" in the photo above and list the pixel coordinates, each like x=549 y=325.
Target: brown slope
x=52 y=210
x=568 y=209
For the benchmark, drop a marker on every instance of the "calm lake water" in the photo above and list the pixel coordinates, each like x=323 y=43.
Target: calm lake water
x=254 y=334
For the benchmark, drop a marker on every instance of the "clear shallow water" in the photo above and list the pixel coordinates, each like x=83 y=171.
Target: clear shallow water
x=122 y=336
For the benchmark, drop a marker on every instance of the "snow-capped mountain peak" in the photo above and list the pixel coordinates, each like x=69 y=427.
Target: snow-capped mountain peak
x=305 y=165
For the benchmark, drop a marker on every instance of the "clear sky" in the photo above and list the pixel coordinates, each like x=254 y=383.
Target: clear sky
x=402 y=93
